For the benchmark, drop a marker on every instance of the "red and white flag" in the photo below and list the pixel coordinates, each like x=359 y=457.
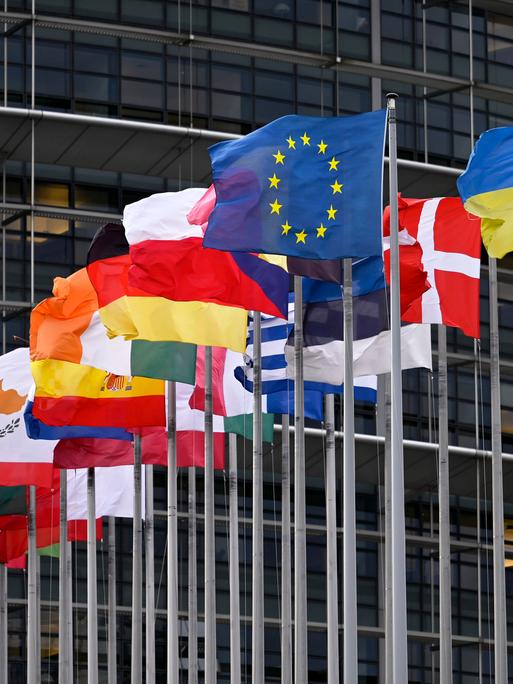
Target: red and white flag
x=440 y=245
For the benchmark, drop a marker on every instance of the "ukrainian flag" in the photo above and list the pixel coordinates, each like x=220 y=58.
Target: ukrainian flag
x=486 y=188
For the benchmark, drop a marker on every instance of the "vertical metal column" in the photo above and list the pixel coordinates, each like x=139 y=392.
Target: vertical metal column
x=332 y=539
x=137 y=552
x=399 y=624
x=65 y=666
x=149 y=556
x=112 y=665
x=444 y=523
x=499 y=576
x=235 y=672
x=286 y=558
x=172 y=541
x=210 y=561
x=257 y=588
x=300 y=584
x=349 y=482
x=193 y=582
x=92 y=587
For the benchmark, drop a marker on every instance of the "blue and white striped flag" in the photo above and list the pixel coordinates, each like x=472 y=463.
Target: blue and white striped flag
x=275 y=384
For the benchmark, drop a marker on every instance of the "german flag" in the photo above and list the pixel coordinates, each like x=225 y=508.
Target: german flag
x=135 y=314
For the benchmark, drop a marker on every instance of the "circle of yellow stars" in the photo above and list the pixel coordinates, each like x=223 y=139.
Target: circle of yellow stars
x=275 y=207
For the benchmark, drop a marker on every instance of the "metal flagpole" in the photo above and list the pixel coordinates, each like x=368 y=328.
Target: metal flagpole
x=444 y=524
x=331 y=546
x=300 y=587
x=399 y=625
x=257 y=593
x=210 y=566
x=499 y=576
x=92 y=588
x=349 y=518
x=388 y=534
x=193 y=582
x=3 y=625
x=234 y=563
x=65 y=671
x=172 y=541
x=286 y=560
x=137 y=547
x=111 y=592
x=149 y=555
x=32 y=654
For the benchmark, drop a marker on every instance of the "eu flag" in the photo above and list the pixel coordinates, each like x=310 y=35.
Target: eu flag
x=302 y=186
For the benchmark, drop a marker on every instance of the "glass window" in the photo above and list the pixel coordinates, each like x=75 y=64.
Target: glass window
x=96 y=60
x=281 y=10
x=310 y=12
x=141 y=93
x=273 y=32
x=91 y=87
x=227 y=24
x=354 y=19
x=52 y=194
x=52 y=54
x=105 y=9
x=141 y=65
x=51 y=82
x=231 y=78
x=274 y=85
x=147 y=12
x=231 y=106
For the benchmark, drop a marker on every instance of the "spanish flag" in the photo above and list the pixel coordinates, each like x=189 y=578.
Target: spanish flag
x=135 y=314
x=67 y=327
x=73 y=394
x=486 y=188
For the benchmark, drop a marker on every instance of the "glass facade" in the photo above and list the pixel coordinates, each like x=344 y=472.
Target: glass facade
x=229 y=66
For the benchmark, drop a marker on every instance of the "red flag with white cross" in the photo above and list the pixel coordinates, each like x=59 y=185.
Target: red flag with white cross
x=439 y=241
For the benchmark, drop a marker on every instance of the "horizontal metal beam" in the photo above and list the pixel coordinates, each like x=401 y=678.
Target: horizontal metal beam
x=321 y=61
x=15 y=211
x=197 y=133
x=408 y=443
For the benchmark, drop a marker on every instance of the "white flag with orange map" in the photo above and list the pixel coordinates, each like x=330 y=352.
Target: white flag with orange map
x=23 y=461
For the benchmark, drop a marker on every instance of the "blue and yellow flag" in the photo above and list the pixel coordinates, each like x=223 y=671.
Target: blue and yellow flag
x=486 y=188
x=301 y=186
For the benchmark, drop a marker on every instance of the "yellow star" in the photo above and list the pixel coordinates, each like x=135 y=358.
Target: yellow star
x=275 y=207
x=337 y=187
x=286 y=227
x=274 y=181
x=279 y=157
x=331 y=212
x=305 y=139
x=292 y=143
x=334 y=164
x=322 y=147
x=300 y=237
x=321 y=230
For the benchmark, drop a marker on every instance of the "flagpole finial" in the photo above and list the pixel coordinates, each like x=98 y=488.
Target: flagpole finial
x=391 y=98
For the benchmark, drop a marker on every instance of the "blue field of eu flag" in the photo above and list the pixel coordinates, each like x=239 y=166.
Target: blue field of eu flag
x=301 y=186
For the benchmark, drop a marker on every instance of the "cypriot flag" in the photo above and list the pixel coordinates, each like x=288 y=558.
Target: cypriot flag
x=22 y=461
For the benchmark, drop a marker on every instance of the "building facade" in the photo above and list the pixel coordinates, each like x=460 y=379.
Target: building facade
x=107 y=101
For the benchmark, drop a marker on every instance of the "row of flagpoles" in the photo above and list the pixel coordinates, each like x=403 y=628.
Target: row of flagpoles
x=294 y=629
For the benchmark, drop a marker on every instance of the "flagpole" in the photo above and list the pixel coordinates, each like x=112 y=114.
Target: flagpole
x=111 y=592
x=234 y=563
x=300 y=587
x=32 y=590
x=149 y=555
x=193 y=582
x=137 y=547
x=499 y=576
x=3 y=625
x=210 y=567
x=399 y=624
x=65 y=672
x=92 y=588
x=257 y=626
x=388 y=535
x=444 y=523
x=350 y=659
x=172 y=540
x=286 y=559
x=331 y=547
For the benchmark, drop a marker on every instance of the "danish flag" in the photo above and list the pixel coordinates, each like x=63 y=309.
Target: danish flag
x=439 y=253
